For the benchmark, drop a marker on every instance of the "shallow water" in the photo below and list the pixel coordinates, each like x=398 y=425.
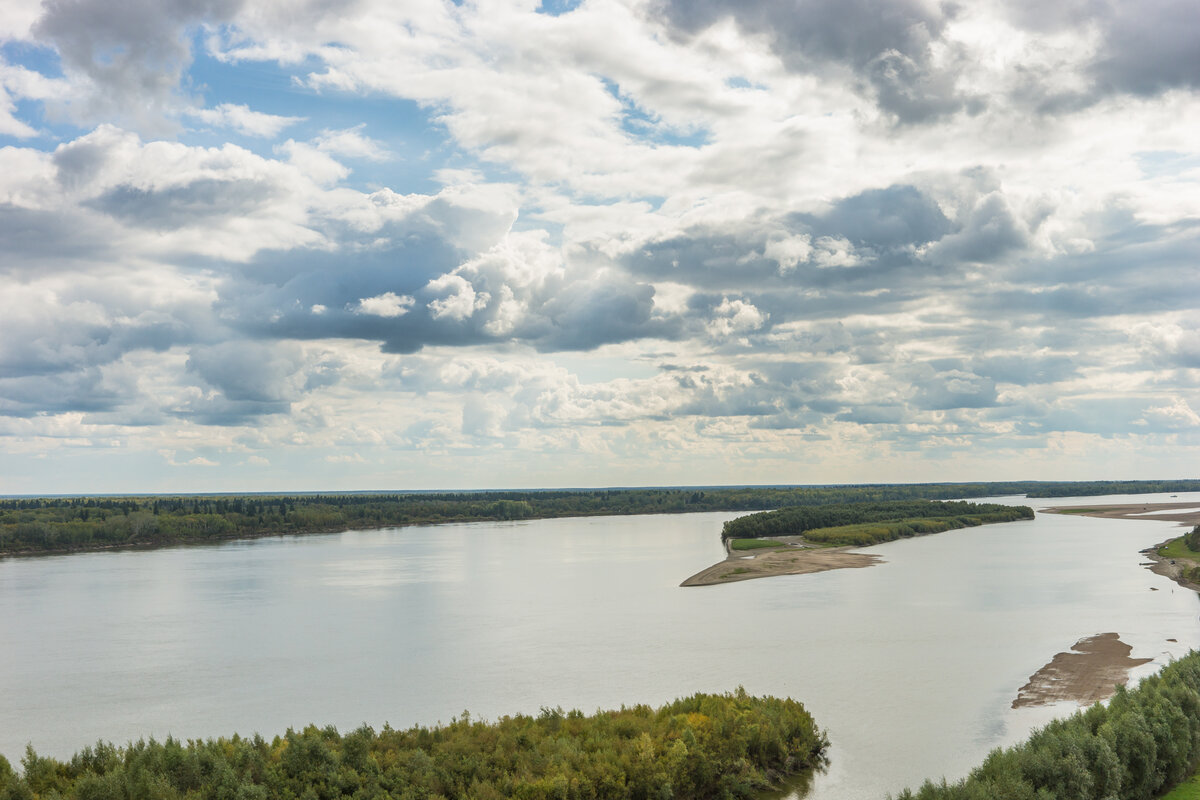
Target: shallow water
x=910 y=665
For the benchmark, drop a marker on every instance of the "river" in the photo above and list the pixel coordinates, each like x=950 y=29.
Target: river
x=910 y=666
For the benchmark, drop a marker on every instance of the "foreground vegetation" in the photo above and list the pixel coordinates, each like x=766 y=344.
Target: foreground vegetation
x=61 y=524
x=727 y=746
x=862 y=524
x=1144 y=742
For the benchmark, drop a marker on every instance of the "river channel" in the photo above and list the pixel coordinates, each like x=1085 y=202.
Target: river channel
x=911 y=666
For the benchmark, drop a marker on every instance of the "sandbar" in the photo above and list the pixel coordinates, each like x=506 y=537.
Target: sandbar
x=1185 y=513
x=1098 y=665
x=790 y=558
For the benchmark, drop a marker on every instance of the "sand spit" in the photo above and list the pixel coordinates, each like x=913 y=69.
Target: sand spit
x=788 y=559
x=1186 y=513
x=1098 y=665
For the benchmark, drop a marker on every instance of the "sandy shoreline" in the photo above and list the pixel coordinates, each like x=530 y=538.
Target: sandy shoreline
x=792 y=557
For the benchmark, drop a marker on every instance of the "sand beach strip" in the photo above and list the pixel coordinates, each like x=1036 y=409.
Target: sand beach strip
x=790 y=558
x=1186 y=513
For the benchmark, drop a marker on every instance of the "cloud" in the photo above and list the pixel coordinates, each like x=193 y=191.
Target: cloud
x=17 y=83
x=887 y=45
x=172 y=458
x=991 y=232
x=736 y=316
x=87 y=390
x=456 y=298
x=248 y=371
x=243 y=120
x=190 y=201
x=954 y=389
x=1150 y=48
x=351 y=143
x=1168 y=344
x=388 y=304
x=898 y=217
x=672 y=233
x=126 y=62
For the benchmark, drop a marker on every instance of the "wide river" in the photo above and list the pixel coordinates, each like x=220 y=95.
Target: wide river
x=911 y=666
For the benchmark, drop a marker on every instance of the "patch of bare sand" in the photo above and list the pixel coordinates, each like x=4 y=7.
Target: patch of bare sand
x=1093 y=672
x=1134 y=511
x=787 y=560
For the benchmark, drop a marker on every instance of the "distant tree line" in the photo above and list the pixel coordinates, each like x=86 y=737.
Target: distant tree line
x=56 y=524
x=870 y=523
x=729 y=746
x=1144 y=742
x=1092 y=488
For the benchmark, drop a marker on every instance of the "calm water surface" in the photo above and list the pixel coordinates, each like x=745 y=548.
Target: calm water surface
x=911 y=665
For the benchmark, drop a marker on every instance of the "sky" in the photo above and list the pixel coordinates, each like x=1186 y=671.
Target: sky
x=262 y=245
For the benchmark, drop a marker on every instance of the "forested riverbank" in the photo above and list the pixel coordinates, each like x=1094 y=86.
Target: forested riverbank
x=727 y=746
x=1142 y=743
x=30 y=525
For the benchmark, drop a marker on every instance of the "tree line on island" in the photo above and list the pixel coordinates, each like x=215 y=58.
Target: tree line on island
x=57 y=524
x=729 y=746
x=862 y=524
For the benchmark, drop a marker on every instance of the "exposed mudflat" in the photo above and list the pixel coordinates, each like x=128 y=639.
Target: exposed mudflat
x=785 y=560
x=1092 y=672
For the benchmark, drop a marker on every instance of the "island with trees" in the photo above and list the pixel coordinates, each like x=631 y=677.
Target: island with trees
x=799 y=540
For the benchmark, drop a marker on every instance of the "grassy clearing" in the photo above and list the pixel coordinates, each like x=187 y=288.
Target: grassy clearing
x=1188 y=790
x=1079 y=511
x=753 y=544
x=1178 y=550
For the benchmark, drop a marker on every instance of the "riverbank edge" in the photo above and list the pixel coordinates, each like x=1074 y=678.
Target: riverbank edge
x=1166 y=567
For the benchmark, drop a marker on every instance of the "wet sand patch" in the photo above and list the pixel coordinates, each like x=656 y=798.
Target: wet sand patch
x=1098 y=665
x=785 y=560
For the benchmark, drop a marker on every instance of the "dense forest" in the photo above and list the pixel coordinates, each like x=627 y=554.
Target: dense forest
x=727 y=746
x=56 y=524
x=862 y=524
x=1143 y=742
